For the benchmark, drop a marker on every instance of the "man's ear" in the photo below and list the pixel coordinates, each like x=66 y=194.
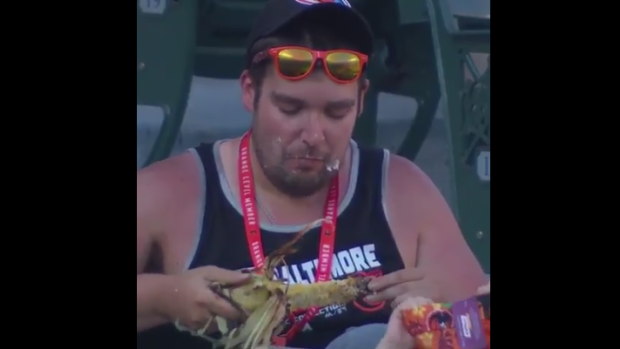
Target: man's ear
x=363 y=89
x=247 y=91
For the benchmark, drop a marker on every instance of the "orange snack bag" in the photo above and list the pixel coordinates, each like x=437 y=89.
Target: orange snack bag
x=461 y=325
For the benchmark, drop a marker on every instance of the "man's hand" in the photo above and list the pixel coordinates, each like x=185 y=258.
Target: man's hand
x=402 y=284
x=190 y=300
x=396 y=336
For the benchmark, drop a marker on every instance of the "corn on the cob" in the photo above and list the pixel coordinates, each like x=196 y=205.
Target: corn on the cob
x=266 y=301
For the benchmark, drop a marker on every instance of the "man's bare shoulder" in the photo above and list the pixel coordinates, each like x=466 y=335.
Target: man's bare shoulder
x=406 y=177
x=169 y=176
x=167 y=187
x=411 y=198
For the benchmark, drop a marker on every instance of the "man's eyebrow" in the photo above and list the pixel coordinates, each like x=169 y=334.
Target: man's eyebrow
x=342 y=103
x=284 y=98
x=279 y=97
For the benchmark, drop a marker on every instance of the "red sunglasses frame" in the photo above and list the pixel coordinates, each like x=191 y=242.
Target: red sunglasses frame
x=316 y=55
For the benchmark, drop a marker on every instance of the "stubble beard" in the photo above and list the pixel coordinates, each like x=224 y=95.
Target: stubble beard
x=296 y=185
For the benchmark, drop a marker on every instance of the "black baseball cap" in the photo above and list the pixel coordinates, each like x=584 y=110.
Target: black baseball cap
x=279 y=13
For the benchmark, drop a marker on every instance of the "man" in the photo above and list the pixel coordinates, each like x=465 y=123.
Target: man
x=199 y=213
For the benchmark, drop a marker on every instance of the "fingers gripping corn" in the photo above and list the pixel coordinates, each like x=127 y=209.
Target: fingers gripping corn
x=266 y=301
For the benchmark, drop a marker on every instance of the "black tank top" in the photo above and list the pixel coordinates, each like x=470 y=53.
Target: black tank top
x=364 y=244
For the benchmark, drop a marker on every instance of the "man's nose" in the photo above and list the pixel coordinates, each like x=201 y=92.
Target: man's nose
x=313 y=131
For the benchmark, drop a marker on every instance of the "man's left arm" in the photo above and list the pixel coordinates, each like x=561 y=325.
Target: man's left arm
x=426 y=232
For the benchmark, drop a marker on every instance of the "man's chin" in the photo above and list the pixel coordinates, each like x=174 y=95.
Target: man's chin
x=309 y=169
x=301 y=189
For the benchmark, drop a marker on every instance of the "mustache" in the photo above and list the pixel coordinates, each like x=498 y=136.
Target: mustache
x=306 y=157
x=309 y=153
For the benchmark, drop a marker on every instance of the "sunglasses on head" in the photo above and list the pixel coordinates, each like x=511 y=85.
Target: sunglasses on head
x=295 y=63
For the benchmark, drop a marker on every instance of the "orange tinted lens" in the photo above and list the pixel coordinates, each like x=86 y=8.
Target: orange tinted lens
x=294 y=62
x=344 y=66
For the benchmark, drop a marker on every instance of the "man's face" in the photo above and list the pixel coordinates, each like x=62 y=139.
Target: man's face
x=301 y=129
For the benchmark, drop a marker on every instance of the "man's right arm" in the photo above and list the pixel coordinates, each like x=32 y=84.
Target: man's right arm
x=151 y=288
x=167 y=192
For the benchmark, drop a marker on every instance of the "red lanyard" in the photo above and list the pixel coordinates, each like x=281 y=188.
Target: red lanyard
x=253 y=234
